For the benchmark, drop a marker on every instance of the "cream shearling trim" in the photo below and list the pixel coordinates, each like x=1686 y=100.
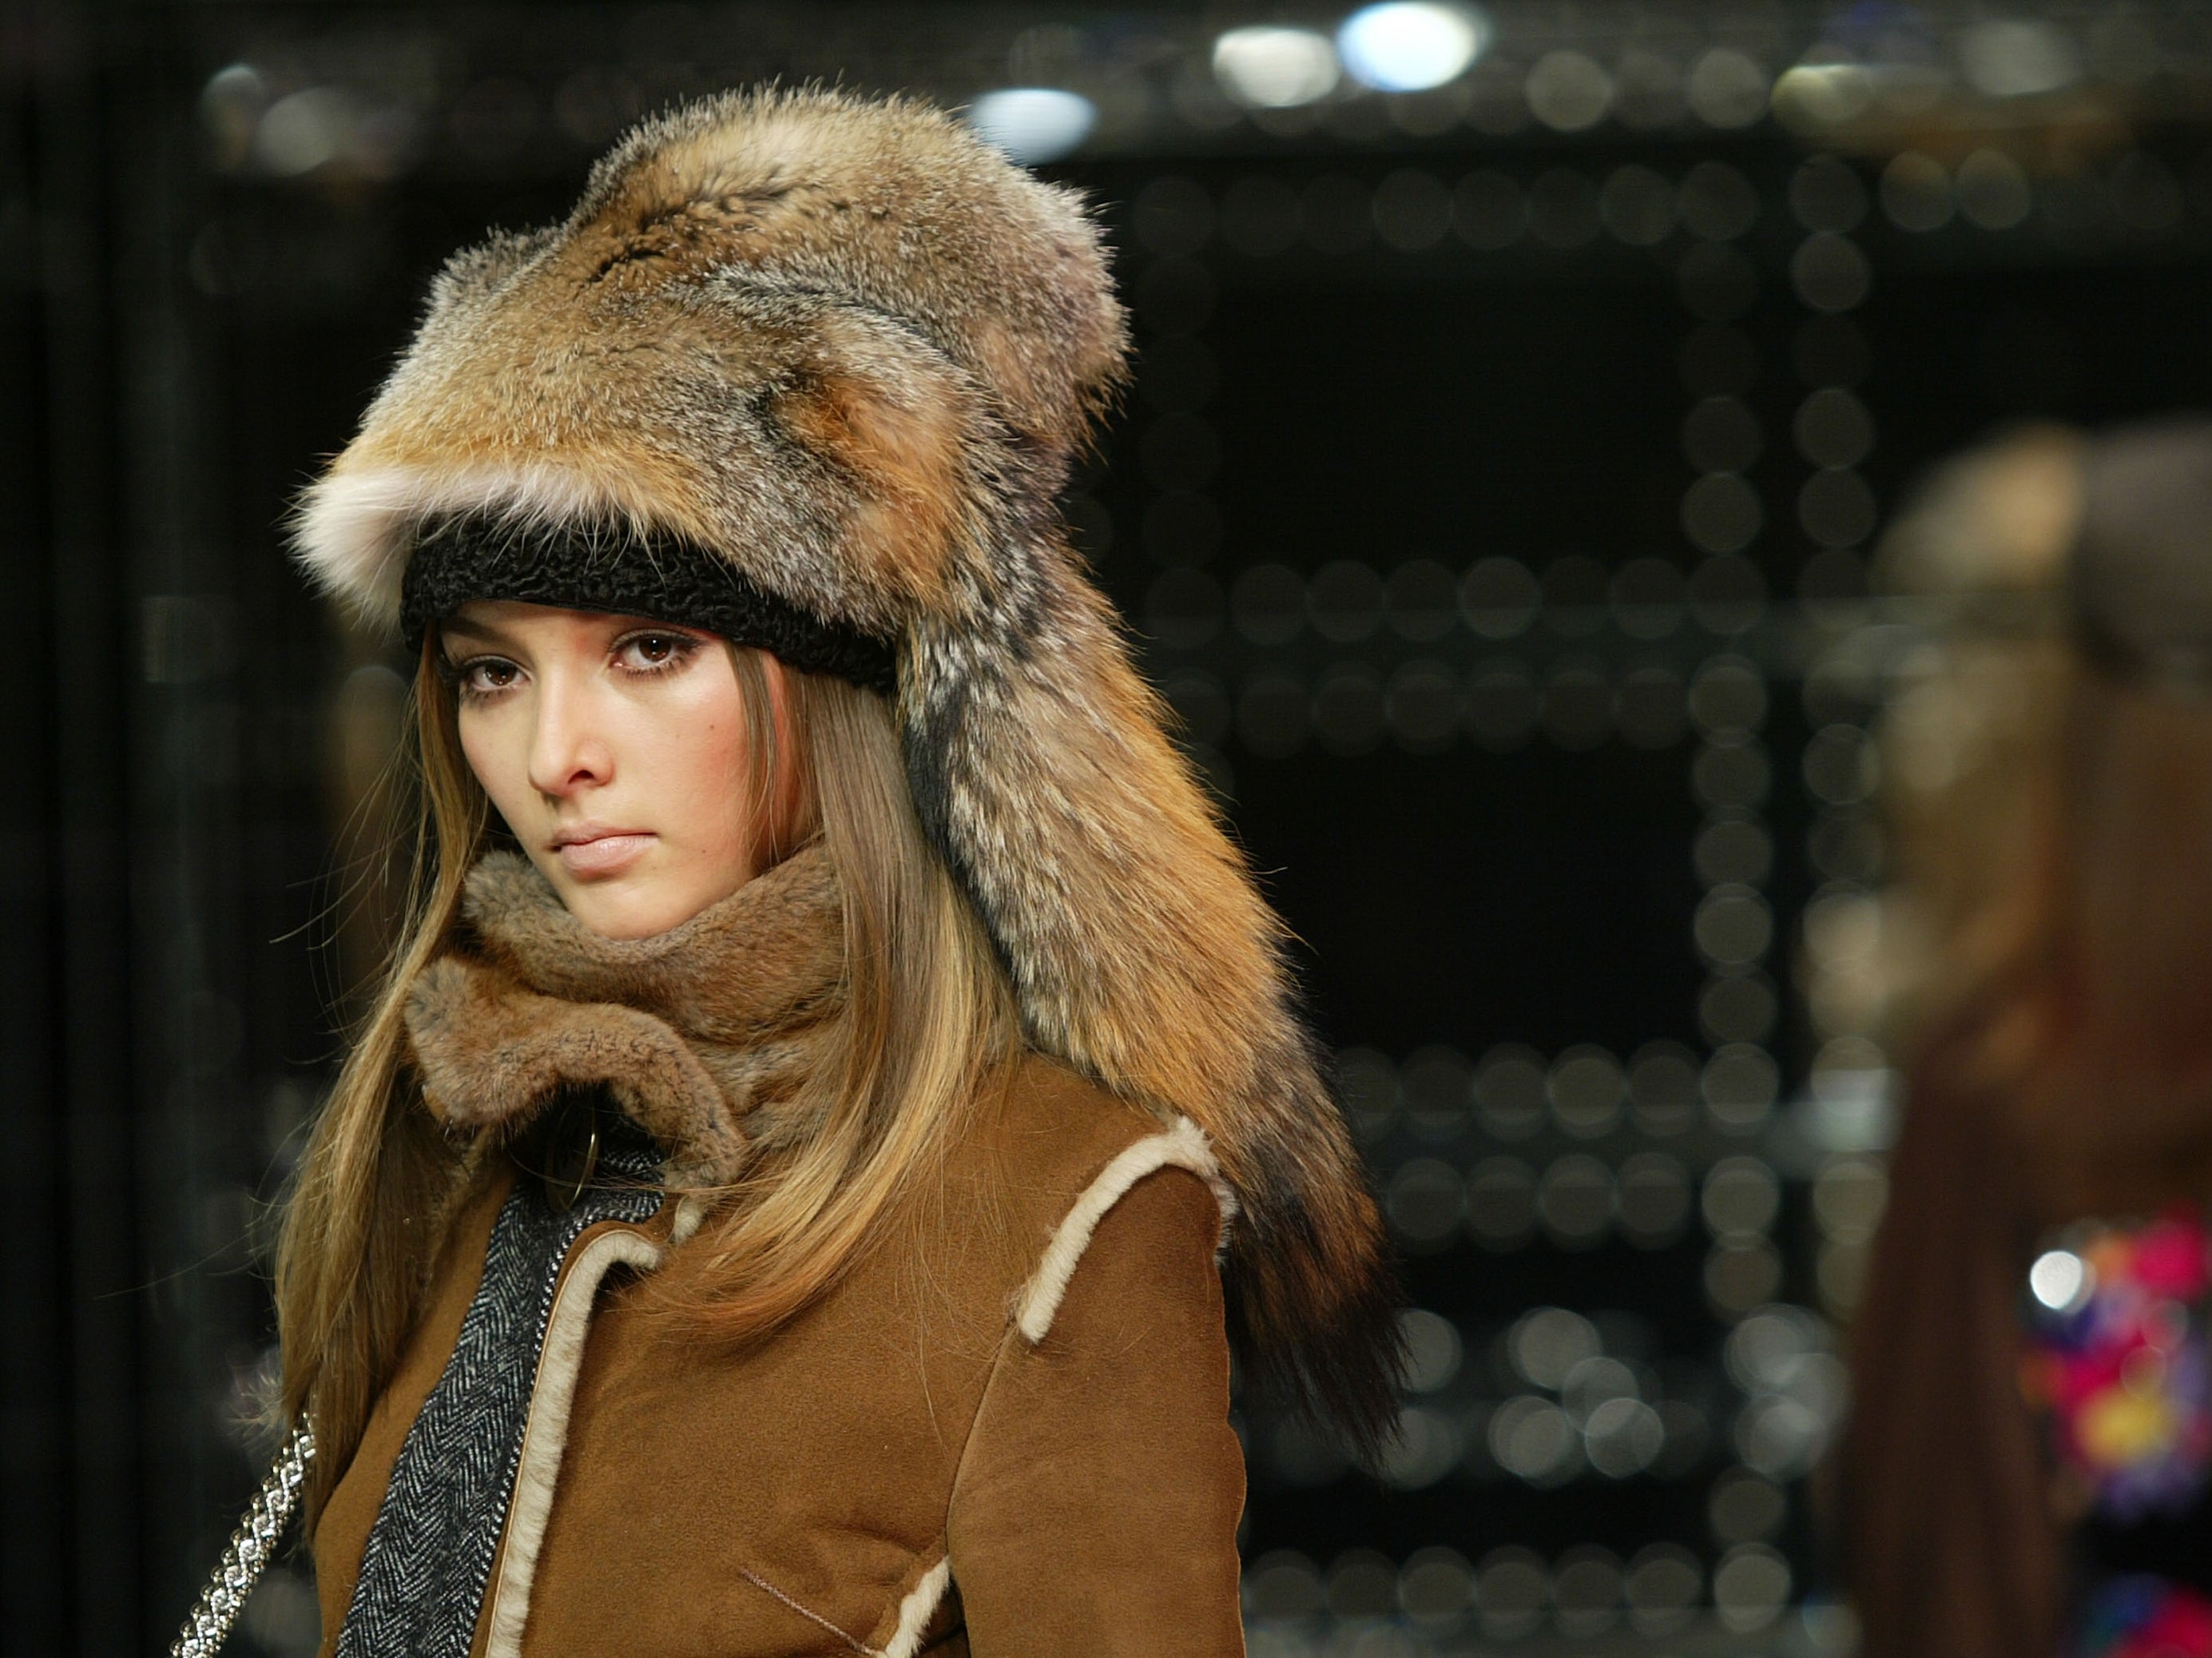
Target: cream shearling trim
x=351 y=527
x=918 y=1608
x=690 y=1212
x=1183 y=1146
x=547 y=1434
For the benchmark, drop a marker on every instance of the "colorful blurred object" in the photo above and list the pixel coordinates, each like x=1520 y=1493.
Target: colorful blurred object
x=2145 y=1617
x=2122 y=1367
x=2116 y=1359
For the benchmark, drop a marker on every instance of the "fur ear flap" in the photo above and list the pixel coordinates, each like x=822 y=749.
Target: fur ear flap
x=1143 y=952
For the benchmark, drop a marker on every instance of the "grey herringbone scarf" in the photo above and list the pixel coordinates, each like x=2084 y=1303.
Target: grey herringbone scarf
x=429 y=1555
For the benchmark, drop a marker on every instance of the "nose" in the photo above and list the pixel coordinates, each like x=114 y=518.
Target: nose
x=568 y=752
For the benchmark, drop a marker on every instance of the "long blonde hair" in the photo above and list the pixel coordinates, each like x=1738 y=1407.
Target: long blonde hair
x=930 y=1016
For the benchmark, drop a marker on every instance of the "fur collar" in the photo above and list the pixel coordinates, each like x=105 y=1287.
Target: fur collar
x=701 y=1034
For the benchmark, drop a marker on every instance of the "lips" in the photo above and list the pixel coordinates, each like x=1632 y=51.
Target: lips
x=591 y=851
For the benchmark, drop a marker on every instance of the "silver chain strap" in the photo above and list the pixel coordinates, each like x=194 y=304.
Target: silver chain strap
x=216 y=1612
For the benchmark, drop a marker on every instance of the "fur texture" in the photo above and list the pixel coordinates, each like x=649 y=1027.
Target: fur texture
x=853 y=350
x=701 y=1032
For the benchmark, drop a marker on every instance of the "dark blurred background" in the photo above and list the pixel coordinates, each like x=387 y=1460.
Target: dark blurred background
x=1521 y=388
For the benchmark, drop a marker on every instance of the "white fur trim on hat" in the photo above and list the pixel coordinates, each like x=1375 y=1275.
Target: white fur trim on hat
x=352 y=528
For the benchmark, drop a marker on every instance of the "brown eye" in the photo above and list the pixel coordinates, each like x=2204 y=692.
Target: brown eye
x=654 y=653
x=487 y=673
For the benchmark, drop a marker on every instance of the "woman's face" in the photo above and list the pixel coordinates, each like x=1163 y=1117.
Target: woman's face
x=617 y=750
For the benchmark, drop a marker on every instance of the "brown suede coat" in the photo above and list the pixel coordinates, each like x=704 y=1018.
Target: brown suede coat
x=806 y=1495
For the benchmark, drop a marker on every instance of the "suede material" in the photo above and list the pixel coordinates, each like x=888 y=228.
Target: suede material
x=1096 y=1507
x=785 y=1496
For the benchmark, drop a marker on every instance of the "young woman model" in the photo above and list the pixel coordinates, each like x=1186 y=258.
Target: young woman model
x=2029 y=1466
x=775 y=1205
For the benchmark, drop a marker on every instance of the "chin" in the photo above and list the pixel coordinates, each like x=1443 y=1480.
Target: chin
x=640 y=904
x=648 y=898
x=626 y=907
x=634 y=904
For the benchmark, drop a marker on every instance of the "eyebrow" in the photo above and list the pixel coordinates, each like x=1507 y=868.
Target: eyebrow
x=479 y=633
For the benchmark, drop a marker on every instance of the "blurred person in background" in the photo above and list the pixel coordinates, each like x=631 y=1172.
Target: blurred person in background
x=774 y=1203
x=2028 y=1467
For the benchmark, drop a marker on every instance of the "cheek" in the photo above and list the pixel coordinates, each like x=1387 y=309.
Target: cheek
x=690 y=751
x=718 y=776
x=495 y=751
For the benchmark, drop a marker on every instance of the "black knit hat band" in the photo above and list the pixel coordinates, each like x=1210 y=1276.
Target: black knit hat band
x=588 y=567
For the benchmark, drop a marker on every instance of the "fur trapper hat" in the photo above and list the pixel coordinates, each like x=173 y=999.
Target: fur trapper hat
x=849 y=351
